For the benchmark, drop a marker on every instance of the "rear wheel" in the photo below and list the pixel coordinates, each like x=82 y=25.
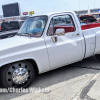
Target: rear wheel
x=19 y=74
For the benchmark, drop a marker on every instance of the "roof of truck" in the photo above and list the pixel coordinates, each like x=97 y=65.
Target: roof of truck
x=49 y=14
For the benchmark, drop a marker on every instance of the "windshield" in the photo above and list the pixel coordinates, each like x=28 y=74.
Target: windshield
x=6 y=26
x=96 y=15
x=33 y=26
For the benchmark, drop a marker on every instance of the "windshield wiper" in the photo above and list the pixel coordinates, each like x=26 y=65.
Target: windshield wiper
x=25 y=34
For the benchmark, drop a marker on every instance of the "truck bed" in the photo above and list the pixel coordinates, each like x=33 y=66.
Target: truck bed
x=8 y=34
x=91 y=33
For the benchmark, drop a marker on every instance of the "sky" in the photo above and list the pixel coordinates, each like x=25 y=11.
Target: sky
x=48 y=6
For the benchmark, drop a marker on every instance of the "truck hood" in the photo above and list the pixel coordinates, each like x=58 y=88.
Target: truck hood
x=15 y=44
x=15 y=41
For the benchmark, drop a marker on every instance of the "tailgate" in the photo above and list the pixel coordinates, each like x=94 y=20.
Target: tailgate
x=8 y=34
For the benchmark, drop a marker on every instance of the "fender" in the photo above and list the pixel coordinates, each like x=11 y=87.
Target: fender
x=29 y=49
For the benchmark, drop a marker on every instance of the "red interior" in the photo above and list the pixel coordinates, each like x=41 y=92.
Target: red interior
x=88 y=26
x=93 y=25
x=67 y=28
x=83 y=27
x=71 y=28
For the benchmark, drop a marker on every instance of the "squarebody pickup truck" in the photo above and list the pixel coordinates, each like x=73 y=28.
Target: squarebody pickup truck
x=46 y=42
x=10 y=28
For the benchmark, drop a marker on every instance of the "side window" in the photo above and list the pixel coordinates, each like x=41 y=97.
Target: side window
x=50 y=29
x=59 y=22
x=64 y=22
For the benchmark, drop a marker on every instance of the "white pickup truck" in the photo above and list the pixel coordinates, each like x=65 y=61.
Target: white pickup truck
x=46 y=42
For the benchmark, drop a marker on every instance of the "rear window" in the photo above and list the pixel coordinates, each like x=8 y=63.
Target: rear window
x=6 y=26
x=96 y=15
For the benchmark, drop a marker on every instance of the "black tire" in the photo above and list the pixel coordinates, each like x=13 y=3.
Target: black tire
x=98 y=56
x=8 y=70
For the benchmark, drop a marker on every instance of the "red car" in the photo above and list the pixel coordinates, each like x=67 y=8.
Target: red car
x=0 y=26
x=88 y=18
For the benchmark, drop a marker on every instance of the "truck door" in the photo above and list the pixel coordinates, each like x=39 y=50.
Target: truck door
x=68 y=48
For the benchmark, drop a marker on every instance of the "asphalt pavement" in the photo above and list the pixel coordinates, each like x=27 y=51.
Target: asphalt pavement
x=78 y=81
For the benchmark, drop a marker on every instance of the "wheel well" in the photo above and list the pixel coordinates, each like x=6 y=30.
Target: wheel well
x=32 y=61
x=34 y=65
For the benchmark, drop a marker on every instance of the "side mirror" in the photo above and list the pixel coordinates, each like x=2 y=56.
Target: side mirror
x=60 y=31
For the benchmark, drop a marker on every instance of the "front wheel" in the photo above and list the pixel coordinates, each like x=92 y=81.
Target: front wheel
x=19 y=74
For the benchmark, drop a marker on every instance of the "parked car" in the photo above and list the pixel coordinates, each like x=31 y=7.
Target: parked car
x=24 y=18
x=88 y=18
x=10 y=28
x=0 y=27
x=42 y=45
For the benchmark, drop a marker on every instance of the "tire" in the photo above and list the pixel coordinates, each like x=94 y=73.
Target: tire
x=98 y=56
x=19 y=74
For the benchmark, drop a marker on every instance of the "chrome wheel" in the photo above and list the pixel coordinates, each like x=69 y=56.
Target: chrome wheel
x=20 y=74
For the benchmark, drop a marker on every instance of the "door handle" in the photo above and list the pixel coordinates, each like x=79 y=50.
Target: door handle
x=54 y=39
x=75 y=34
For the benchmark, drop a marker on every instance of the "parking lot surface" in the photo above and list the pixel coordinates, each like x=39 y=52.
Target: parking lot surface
x=79 y=81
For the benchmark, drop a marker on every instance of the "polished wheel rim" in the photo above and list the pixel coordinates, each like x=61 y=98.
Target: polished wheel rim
x=18 y=75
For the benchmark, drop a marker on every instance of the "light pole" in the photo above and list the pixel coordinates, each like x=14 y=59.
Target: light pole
x=66 y=6
x=79 y=6
x=42 y=9
x=53 y=8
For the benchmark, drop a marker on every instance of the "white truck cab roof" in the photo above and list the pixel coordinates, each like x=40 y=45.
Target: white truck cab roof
x=49 y=14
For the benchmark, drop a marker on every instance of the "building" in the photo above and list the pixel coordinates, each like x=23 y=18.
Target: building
x=82 y=12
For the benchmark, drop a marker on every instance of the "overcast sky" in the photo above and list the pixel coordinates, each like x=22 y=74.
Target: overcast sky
x=46 y=6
